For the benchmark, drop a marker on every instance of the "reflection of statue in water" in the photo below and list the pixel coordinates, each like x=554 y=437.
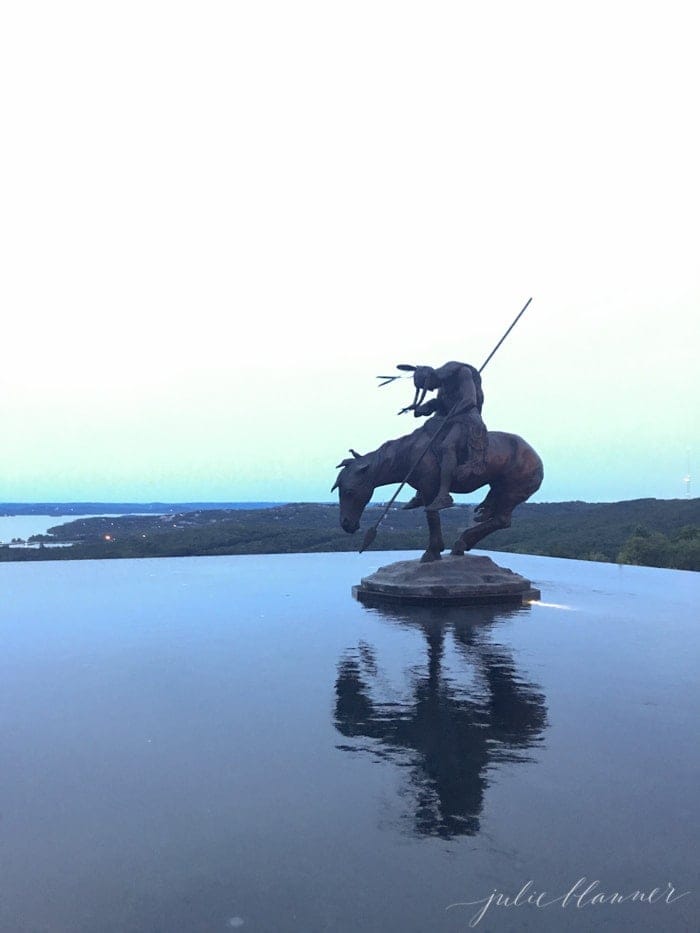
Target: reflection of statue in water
x=448 y=734
x=451 y=452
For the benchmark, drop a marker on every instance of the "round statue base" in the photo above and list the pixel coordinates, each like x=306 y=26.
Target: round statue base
x=453 y=581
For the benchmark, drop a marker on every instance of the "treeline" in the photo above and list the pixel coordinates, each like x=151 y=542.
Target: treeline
x=680 y=550
x=652 y=532
x=595 y=531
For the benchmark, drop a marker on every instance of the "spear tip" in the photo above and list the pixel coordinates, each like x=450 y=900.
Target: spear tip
x=369 y=537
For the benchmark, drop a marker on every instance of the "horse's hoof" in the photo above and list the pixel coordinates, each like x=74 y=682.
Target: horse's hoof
x=457 y=552
x=429 y=557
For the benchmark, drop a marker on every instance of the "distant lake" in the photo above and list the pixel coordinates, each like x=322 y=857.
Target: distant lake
x=23 y=526
x=201 y=744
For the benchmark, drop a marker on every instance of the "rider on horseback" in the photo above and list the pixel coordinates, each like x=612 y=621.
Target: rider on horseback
x=465 y=439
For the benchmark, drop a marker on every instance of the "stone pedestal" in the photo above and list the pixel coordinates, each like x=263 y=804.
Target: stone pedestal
x=452 y=581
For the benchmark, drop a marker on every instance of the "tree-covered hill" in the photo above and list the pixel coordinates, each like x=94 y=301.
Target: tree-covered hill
x=589 y=531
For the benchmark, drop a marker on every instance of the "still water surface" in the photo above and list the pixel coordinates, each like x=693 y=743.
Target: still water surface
x=204 y=744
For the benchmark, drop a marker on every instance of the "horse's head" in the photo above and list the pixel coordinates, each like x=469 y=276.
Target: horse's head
x=355 y=487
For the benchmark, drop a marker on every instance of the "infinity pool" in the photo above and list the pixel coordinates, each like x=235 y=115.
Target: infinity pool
x=207 y=744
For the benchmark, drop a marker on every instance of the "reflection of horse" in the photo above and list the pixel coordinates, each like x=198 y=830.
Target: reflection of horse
x=445 y=735
x=513 y=472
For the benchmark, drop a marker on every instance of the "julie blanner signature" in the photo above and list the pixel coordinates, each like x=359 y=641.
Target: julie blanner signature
x=582 y=894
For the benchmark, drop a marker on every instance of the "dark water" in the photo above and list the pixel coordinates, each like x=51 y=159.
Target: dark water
x=208 y=744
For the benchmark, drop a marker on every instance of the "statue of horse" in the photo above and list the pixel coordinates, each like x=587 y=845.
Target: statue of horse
x=513 y=473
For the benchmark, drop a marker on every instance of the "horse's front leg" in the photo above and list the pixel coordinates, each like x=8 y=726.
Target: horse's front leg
x=436 y=544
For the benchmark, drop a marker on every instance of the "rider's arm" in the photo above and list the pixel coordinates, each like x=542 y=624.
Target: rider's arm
x=467 y=388
x=426 y=409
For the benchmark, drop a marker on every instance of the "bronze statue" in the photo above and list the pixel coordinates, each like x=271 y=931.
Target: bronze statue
x=451 y=452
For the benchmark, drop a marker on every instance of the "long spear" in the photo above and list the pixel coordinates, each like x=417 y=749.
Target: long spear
x=371 y=533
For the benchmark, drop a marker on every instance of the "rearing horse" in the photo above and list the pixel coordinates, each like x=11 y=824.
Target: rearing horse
x=513 y=472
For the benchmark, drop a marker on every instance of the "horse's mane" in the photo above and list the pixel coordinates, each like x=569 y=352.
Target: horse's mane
x=399 y=448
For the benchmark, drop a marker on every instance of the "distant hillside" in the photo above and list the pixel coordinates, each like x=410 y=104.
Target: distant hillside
x=120 y=508
x=654 y=531
x=581 y=529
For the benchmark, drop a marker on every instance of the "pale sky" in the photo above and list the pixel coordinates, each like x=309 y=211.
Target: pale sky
x=220 y=221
